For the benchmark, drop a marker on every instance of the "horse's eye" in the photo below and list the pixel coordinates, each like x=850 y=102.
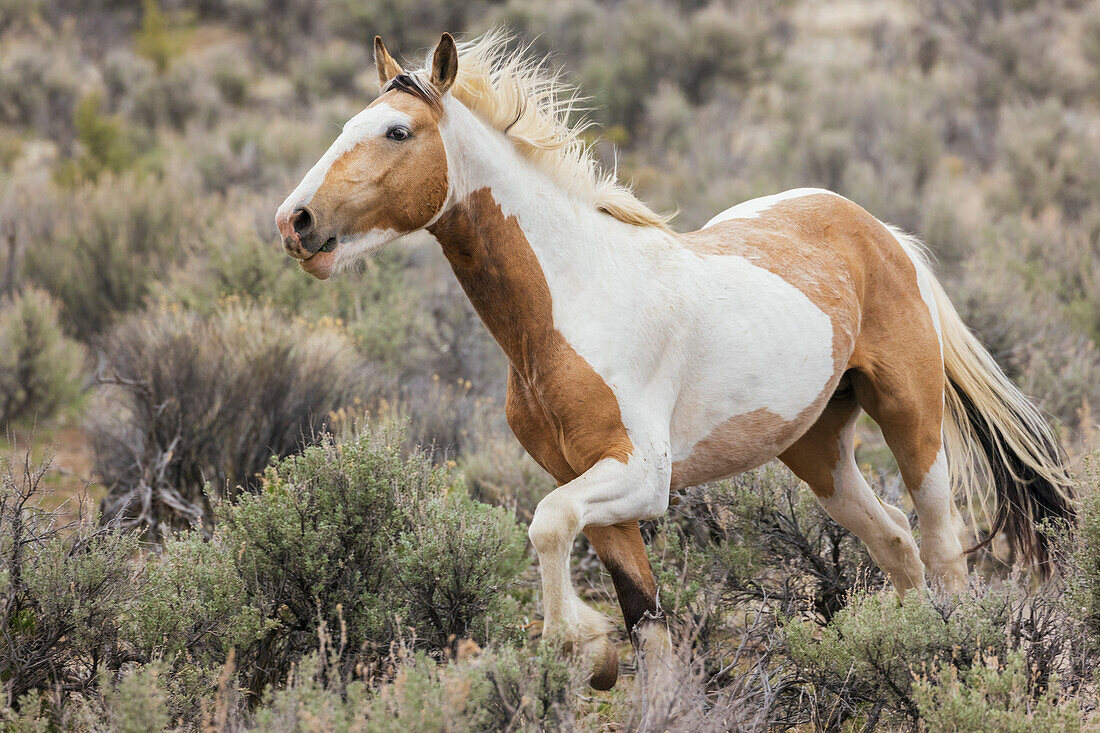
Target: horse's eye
x=398 y=133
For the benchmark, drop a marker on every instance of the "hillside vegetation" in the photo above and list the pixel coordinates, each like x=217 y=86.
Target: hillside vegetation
x=236 y=498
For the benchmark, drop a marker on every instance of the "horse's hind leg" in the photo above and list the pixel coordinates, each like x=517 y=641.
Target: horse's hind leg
x=906 y=400
x=825 y=459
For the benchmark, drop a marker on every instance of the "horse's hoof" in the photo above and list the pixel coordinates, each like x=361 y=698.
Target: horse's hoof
x=605 y=667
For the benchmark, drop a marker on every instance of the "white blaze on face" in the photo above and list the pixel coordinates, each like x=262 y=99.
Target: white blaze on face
x=373 y=122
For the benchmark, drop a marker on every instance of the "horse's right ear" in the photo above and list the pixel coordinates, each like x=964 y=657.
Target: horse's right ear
x=387 y=67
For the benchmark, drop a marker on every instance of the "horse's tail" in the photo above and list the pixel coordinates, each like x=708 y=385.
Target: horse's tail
x=1003 y=454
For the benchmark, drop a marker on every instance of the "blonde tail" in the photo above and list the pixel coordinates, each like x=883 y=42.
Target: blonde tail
x=1003 y=455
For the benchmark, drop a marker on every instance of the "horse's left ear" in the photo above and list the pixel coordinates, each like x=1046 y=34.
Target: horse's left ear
x=445 y=63
x=387 y=67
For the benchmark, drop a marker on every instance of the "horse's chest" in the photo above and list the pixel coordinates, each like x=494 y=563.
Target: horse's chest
x=565 y=416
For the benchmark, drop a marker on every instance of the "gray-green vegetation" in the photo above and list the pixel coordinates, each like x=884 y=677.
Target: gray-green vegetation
x=269 y=555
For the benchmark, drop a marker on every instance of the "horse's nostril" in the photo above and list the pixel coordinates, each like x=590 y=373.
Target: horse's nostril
x=302 y=219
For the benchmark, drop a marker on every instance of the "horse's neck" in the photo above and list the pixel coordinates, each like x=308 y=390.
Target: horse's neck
x=523 y=250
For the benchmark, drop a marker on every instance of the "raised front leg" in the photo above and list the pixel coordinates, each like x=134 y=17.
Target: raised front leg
x=609 y=493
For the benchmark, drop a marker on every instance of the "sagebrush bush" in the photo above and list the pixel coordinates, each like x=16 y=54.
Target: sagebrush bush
x=194 y=611
x=1083 y=551
x=369 y=542
x=993 y=695
x=500 y=688
x=734 y=531
x=351 y=550
x=453 y=564
x=39 y=365
x=39 y=89
x=861 y=665
x=189 y=401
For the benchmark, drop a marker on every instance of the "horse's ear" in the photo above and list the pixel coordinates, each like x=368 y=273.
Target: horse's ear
x=387 y=67
x=445 y=63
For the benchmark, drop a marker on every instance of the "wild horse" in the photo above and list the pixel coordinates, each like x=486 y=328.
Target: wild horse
x=643 y=361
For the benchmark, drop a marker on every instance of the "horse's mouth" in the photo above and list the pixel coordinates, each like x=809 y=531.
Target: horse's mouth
x=321 y=263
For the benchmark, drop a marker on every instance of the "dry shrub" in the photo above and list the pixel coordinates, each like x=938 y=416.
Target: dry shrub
x=681 y=690
x=62 y=590
x=190 y=401
x=110 y=243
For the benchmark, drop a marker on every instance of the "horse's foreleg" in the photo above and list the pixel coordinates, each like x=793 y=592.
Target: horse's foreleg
x=622 y=551
x=609 y=493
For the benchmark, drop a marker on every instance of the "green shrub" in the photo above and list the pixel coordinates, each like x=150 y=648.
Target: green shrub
x=453 y=565
x=158 y=40
x=992 y=696
x=137 y=704
x=190 y=401
x=105 y=146
x=862 y=664
x=39 y=366
x=1083 y=571
x=194 y=611
x=353 y=535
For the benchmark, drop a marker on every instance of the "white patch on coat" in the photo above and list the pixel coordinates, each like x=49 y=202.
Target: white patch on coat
x=371 y=122
x=753 y=208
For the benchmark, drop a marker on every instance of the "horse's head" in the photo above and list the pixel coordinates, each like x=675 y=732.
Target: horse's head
x=385 y=176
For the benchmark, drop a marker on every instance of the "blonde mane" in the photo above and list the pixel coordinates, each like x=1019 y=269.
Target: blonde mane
x=532 y=107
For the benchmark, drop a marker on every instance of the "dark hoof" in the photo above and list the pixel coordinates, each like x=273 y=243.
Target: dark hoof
x=605 y=669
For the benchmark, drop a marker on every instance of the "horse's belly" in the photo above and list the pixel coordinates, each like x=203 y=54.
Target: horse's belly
x=740 y=443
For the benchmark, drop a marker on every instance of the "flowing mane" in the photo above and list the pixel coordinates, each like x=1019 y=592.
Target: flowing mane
x=532 y=106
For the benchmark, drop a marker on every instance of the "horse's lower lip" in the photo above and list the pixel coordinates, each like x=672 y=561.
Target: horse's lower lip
x=320 y=265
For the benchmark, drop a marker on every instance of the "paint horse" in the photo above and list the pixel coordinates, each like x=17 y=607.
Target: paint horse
x=643 y=361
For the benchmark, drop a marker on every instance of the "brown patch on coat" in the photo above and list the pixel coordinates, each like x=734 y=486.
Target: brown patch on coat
x=738 y=444
x=384 y=184
x=561 y=410
x=852 y=268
